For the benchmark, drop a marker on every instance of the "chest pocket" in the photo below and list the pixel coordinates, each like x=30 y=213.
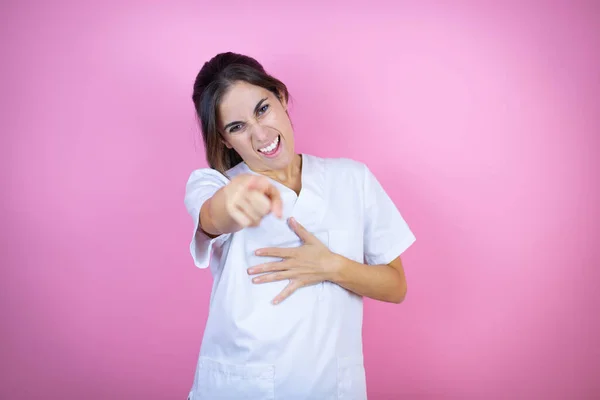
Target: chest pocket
x=347 y=243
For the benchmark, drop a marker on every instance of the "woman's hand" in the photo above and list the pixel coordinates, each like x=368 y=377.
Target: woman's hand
x=249 y=198
x=306 y=265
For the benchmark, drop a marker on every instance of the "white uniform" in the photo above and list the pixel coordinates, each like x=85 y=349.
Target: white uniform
x=310 y=345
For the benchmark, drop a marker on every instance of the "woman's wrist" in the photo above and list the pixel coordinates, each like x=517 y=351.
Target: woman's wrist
x=337 y=264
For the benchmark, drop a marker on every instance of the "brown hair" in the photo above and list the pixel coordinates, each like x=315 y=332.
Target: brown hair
x=212 y=82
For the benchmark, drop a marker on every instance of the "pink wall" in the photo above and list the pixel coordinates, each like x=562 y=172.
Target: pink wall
x=481 y=122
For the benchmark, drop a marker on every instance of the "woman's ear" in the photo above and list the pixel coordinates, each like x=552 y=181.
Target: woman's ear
x=221 y=136
x=283 y=101
x=226 y=144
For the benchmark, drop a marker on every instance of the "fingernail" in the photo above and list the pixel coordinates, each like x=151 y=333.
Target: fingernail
x=250 y=271
x=258 y=252
x=256 y=280
x=275 y=301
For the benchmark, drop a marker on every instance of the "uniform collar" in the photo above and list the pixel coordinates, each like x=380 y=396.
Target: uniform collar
x=309 y=206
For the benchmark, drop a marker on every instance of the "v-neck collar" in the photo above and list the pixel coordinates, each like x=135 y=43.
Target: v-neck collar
x=308 y=207
x=303 y=173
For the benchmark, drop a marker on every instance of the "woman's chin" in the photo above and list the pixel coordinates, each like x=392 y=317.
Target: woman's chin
x=281 y=160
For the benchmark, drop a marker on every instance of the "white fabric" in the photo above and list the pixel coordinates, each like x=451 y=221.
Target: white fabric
x=310 y=345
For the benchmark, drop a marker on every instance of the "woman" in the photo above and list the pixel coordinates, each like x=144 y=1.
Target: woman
x=293 y=242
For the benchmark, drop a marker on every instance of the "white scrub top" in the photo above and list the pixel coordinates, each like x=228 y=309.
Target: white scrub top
x=310 y=345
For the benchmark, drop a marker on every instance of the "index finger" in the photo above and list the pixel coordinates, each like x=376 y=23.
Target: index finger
x=276 y=202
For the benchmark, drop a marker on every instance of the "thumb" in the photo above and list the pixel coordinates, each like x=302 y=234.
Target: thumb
x=301 y=231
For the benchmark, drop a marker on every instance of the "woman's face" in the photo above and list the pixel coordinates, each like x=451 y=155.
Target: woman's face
x=255 y=123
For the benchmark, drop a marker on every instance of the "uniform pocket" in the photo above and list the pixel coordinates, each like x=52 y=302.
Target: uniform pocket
x=352 y=383
x=218 y=380
x=347 y=243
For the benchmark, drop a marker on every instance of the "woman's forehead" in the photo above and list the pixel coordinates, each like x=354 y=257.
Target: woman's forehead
x=242 y=93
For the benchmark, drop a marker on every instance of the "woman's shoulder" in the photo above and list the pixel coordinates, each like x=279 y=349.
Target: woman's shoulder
x=206 y=176
x=211 y=177
x=341 y=164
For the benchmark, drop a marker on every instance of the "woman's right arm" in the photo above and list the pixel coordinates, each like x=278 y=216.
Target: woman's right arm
x=243 y=202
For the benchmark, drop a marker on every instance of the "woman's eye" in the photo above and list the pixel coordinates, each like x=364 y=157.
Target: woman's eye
x=263 y=109
x=235 y=128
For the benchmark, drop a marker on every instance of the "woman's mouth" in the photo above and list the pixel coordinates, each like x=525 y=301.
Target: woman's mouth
x=271 y=149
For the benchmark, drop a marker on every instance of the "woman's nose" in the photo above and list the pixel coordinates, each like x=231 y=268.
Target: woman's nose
x=260 y=132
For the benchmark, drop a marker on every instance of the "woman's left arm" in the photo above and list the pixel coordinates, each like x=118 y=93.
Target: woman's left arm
x=379 y=282
x=313 y=263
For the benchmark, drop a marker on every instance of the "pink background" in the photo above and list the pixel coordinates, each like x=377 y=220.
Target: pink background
x=481 y=122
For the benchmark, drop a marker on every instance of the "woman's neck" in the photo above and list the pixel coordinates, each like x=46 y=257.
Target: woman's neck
x=291 y=176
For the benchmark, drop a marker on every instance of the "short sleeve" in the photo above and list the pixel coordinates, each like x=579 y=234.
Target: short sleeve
x=201 y=186
x=386 y=233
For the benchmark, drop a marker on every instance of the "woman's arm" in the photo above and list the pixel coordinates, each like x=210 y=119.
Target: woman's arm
x=380 y=282
x=313 y=263
x=214 y=218
x=241 y=203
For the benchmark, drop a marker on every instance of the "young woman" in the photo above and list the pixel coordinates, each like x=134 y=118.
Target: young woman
x=293 y=242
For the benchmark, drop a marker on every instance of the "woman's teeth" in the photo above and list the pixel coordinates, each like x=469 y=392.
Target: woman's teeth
x=270 y=147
